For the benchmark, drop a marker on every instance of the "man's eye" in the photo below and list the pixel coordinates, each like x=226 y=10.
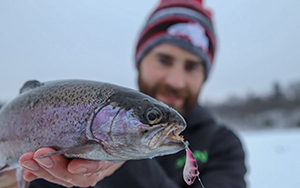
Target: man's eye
x=191 y=67
x=164 y=60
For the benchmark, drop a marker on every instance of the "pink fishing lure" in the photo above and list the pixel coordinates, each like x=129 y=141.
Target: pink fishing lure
x=190 y=170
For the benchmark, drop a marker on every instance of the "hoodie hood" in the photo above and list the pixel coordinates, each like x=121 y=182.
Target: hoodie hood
x=199 y=116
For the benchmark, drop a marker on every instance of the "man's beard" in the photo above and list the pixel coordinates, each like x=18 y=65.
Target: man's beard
x=190 y=100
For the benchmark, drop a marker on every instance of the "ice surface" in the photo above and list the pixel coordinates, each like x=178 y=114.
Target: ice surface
x=272 y=158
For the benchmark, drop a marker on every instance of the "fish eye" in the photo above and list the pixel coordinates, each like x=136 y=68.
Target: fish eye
x=153 y=116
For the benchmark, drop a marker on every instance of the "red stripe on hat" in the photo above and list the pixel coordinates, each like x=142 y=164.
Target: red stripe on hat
x=193 y=4
x=146 y=42
x=160 y=22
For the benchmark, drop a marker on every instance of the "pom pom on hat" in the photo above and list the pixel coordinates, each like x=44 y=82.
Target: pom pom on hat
x=184 y=23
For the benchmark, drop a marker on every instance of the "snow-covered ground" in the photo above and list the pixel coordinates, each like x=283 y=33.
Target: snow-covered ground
x=272 y=157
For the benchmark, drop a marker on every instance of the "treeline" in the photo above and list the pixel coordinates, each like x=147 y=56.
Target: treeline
x=288 y=98
x=281 y=104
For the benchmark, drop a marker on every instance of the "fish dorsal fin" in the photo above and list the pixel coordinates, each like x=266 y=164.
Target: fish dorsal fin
x=30 y=85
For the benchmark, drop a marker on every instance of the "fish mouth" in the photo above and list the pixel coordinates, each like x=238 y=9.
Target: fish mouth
x=167 y=135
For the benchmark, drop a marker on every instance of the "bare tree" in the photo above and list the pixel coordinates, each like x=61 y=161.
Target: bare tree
x=294 y=90
x=277 y=93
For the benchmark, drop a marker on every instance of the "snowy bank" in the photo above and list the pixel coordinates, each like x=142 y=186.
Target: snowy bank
x=272 y=158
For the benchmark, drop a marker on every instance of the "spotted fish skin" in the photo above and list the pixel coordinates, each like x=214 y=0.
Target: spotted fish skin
x=89 y=120
x=33 y=118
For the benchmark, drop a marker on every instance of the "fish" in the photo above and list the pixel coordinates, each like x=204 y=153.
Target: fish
x=190 y=169
x=89 y=120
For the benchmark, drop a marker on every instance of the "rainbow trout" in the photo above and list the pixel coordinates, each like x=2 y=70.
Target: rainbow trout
x=89 y=120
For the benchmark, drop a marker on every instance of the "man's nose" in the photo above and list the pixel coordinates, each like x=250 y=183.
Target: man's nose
x=175 y=78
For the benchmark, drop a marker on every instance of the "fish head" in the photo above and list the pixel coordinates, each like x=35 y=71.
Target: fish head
x=160 y=130
x=137 y=126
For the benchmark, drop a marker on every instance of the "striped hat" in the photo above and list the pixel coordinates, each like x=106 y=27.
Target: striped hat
x=184 y=23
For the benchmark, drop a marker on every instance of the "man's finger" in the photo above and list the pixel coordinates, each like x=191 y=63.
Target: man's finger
x=82 y=166
x=57 y=166
x=34 y=170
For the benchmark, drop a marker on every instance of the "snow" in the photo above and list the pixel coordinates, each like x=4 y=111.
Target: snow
x=272 y=158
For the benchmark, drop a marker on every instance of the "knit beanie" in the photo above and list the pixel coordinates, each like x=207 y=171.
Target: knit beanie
x=184 y=23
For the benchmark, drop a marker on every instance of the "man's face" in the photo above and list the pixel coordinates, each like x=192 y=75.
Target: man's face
x=172 y=75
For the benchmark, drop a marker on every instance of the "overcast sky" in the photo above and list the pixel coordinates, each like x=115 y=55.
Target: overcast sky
x=258 y=43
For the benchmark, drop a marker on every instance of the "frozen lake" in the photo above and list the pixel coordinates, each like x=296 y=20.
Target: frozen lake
x=272 y=158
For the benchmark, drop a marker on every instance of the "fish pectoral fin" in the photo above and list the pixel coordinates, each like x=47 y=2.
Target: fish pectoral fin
x=116 y=161
x=91 y=150
x=62 y=151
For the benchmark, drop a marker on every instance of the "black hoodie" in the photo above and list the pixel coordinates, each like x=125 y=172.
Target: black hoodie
x=218 y=151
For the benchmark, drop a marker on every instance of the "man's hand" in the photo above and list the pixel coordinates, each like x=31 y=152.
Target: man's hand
x=60 y=170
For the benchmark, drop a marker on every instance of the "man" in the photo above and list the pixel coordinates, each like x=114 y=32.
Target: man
x=174 y=56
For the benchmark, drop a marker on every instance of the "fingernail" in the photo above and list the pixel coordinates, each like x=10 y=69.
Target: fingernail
x=30 y=165
x=46 y=162
x=80 y=170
